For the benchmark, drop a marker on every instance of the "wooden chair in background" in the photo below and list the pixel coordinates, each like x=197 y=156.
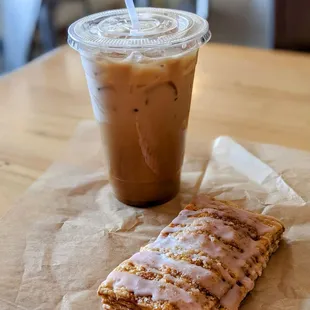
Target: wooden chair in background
x=292 y=25
x=22 y=19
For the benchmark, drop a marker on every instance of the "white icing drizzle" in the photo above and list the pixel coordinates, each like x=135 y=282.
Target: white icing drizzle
x=209 y=224
x=218 y=240
x=204 y=277
x=208 y=245
x=160 y=291
x=240 y=214
x=233 y=298
x=216 y=227
x=248 y=283
x=187 y=239
x=226 y=233
x=214 y=265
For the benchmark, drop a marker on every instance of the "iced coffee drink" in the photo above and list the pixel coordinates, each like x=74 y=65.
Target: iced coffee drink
x=141 y=98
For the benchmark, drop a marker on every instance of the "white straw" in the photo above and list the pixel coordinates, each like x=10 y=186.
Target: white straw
x=133 y=15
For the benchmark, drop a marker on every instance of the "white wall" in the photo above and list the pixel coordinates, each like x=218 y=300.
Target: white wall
x=244 y=22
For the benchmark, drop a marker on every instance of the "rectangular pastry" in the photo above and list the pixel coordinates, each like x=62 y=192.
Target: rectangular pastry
x=208 y=258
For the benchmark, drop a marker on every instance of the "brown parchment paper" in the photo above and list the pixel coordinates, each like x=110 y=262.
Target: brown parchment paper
x=67 y=232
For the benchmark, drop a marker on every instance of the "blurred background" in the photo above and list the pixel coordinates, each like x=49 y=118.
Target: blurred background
x=30 y=28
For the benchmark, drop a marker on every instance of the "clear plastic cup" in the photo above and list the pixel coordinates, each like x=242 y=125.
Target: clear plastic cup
x=140 y=84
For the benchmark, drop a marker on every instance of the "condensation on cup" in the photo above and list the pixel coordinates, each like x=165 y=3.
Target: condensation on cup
x=140 y=84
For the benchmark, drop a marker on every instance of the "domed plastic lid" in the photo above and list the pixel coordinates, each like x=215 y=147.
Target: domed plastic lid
x=159 y=29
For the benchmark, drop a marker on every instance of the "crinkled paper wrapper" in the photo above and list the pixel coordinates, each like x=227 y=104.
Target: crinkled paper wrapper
x=64 y=236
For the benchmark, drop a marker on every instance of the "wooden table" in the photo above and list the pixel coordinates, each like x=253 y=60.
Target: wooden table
x=247 y=93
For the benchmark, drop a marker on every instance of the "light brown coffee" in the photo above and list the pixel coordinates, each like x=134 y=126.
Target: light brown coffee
x=143 y=114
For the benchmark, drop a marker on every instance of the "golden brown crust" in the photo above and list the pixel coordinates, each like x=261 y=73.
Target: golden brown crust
x=196 y=241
